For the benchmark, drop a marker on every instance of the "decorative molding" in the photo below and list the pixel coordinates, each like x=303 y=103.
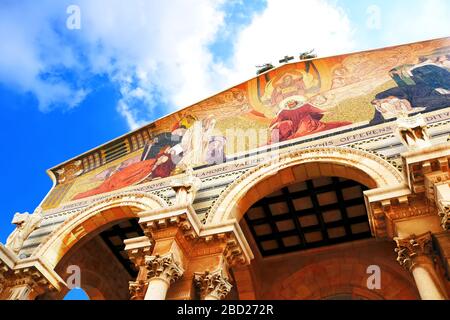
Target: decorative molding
x=430 y=163
x=26 y=283
x=198 y=238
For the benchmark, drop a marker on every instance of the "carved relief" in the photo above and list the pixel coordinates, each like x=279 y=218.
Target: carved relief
x=25 y=284
x=163 y=267
x=444 y=213
x=186 y=187
x=413 y=132
x=213 y=284
x=25 y=224
x=137 y=289
x=410 y=248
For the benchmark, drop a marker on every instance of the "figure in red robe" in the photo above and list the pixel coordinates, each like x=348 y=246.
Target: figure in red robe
x=158 y=167
x=297 y=121
x=159 y=158
x=125 y=177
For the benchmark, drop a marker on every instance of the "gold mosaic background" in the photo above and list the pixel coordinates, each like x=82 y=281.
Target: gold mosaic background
x=342 y=88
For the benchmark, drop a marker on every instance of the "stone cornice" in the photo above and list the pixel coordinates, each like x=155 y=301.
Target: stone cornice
x=237 y=250
x=424 y=154
x=384 y=210
x=430 y=161
x=8 y=259
x=387 y=193
x=34 y=269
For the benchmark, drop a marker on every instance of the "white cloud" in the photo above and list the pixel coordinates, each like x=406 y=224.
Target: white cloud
x=158 y=53
x=289 y=27
x=408 y=21
x=31 y=54
x=153 y=51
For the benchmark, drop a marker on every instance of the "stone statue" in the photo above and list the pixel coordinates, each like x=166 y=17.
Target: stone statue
x=413 y=132
x=186 y=187
x=25 y=224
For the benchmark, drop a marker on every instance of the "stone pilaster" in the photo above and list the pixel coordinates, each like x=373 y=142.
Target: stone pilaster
x=137 y=249
x=212 y=285
x=137 y=289
x=443 y=247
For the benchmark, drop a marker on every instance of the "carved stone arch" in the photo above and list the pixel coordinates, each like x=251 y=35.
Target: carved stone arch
x=93 y=218
x=292 y=166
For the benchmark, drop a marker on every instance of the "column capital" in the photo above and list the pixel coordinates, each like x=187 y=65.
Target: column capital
x=410 y=249
x=165 y=267
x=213 y=284
x=25 y=284
x=137 y=289
x=444 y=213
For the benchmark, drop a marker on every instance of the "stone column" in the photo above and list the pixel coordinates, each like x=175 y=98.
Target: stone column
x=162 y=271
x=416 y=255
x=137 y=248
x=212 y=285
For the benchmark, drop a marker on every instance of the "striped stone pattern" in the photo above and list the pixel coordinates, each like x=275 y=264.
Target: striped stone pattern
x=209 y=192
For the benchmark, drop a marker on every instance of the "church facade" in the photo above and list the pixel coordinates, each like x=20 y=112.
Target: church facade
x=325 y=178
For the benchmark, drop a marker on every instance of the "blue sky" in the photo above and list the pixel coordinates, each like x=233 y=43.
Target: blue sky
x=64 y=91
